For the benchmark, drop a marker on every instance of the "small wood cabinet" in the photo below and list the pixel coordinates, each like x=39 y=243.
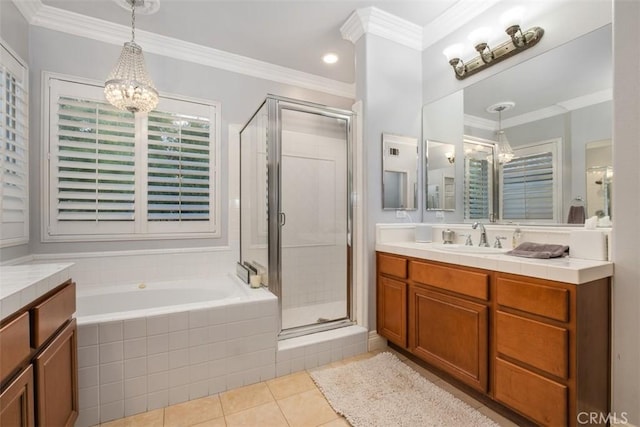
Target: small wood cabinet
x=39 y=362
x=538 y=347
x=392 y=292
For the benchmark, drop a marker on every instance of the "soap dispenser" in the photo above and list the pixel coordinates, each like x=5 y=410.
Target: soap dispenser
x=516 y=239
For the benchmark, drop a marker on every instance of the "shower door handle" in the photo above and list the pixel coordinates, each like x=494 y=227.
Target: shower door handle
x=283 y=219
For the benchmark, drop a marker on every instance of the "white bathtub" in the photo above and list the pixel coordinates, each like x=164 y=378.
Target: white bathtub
x=122 y=302
x=143 y=348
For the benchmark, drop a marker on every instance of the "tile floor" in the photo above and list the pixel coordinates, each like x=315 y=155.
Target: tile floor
x=292 y=400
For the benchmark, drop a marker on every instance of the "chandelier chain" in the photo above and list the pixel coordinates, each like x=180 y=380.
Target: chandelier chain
x=133 y=20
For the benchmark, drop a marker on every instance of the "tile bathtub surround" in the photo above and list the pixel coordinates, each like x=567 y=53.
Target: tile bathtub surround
x=134 y=366
x=289 y=401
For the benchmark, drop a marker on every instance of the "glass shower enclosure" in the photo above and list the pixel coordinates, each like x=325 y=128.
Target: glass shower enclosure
x=295 y=210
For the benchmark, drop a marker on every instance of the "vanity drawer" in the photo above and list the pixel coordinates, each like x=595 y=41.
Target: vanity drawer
x=534 y=396
x=537 y=344
x=14 y=345
x=393 y=266
x=52 y=313
x=470 y=283
x=546 y=301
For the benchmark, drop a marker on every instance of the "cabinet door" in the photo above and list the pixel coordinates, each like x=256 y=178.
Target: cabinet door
x=392 y=310
x=57 y=380
x=451 y=334
x=16 y=402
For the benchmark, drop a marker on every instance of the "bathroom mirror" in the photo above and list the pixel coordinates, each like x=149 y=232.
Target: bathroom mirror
x=553 y=102
x=440 y=175
x=599 y=180
x=400 y=172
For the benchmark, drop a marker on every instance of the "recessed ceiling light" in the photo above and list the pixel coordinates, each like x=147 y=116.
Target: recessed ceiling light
x=330 y=58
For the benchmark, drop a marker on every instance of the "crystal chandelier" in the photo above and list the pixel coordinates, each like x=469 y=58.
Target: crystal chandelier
x=129 y=87
x=503 y=148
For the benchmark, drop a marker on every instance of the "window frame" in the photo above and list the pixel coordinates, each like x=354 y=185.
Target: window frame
x=23 y=238
x=140 y=228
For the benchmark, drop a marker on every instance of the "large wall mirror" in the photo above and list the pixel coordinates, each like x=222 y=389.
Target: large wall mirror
x=399 y=172
x=558 y=112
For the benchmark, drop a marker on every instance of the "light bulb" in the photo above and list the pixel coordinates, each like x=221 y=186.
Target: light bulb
x=512 y=17
x=453 y=51
x=480 y=36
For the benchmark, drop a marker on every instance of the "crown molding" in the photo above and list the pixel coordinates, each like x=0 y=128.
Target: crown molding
x=28 y=8
x=543 y=113
x=372 y=20
x=79 y=25
x=480 y=123
x=453 y=18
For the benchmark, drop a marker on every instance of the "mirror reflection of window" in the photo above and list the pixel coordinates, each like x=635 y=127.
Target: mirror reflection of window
x=478 y=179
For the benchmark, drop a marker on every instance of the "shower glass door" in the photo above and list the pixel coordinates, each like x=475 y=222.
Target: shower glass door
x=314 y=216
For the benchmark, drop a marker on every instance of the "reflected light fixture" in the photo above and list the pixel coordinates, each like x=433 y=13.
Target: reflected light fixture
x=330 y=58
x=503 y=148
x=519 y=41
x=450 y=157
x=129 y=87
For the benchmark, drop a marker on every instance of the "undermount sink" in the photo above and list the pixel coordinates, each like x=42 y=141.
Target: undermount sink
x=454 y=247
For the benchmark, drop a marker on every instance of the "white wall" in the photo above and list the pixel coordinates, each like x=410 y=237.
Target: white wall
x=626 y=231
x=239 y=95
x=388 y=81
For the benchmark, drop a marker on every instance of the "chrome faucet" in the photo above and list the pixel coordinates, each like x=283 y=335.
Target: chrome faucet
x=483 y=234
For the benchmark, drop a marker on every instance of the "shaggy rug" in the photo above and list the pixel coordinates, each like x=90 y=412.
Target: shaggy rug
x=383 y=391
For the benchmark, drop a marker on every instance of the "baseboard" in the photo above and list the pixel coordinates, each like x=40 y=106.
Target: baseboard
x=376 y=342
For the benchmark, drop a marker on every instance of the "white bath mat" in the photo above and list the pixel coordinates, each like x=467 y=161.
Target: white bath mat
x=383 y=391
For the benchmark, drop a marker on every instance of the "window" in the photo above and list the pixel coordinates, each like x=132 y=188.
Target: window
x=113 y=175
x=530 y=183
x=14 y=140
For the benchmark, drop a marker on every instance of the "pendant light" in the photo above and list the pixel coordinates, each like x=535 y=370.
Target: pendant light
x=504 y=150
x=129 y=87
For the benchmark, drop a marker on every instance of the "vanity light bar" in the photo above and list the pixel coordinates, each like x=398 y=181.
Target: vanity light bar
x=518 y=42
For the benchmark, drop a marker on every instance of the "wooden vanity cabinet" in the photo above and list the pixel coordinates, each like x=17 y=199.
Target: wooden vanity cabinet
x=539 y=347
x=392 y=298
x=39 y=362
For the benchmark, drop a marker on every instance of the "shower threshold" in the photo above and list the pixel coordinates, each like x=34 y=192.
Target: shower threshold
x=312 y=329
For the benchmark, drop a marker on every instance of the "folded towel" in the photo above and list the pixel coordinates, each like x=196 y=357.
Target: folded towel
x=539 y=250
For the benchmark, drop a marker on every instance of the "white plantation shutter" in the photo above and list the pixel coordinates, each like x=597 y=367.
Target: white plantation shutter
x=179 y=157
x=530 y=184
x=112 y=173
x=95 y=162
x=181 y=174
x=14 y=144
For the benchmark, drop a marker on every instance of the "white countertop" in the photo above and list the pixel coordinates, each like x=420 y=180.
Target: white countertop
x=569 y=270
x=23 y=284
